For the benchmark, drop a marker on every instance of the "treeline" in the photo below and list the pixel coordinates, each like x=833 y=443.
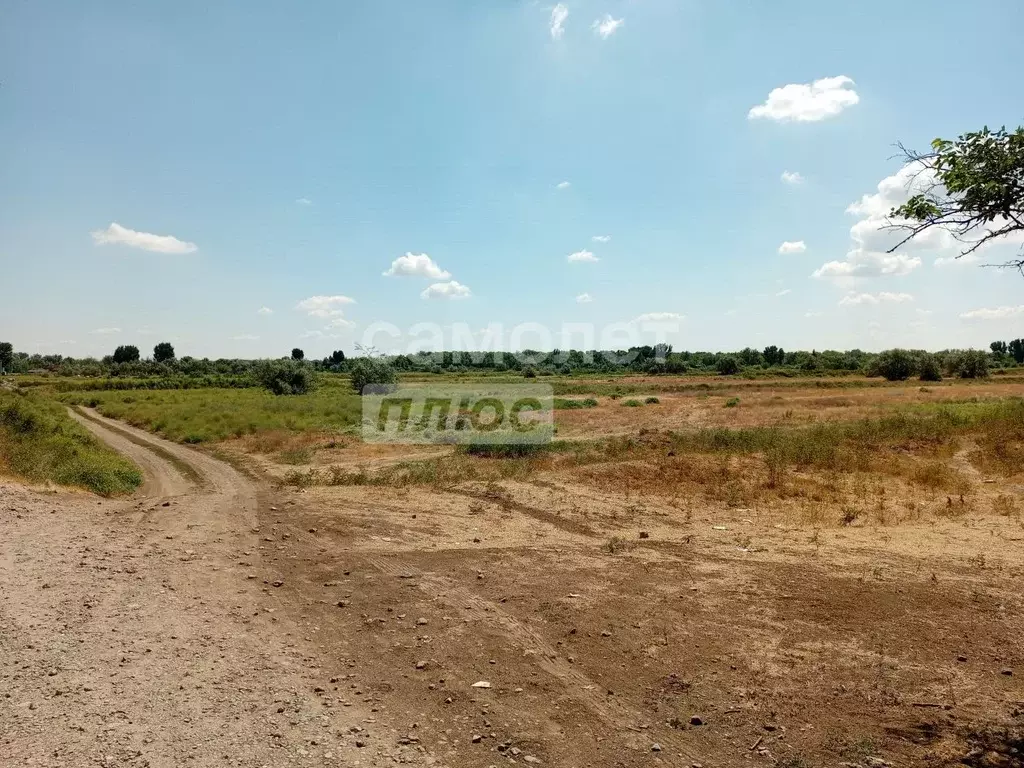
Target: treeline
x=188 y=372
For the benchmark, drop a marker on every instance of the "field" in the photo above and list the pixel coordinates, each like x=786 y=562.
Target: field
x=789 y=572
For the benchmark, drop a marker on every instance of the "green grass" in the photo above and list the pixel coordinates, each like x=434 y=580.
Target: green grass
x=206 y=415
x=561 y=404
x=40 y=442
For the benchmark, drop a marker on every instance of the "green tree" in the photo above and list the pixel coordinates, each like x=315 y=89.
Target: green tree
x=998 y=347
x=969 y=364
x=894 y=365
x=1016 y=348
x=373 y=376
x=929 y=368
x=126 y=353
x=774 y=355
x=284 y=377
x=6 y=356
x=979 y=196
x=163 y=352
x=298 y=354
x=337 y=357
x=727 y=365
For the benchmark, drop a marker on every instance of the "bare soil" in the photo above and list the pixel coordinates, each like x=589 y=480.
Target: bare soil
x=615 y=627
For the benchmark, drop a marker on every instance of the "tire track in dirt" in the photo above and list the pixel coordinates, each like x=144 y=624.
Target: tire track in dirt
x=614 y=712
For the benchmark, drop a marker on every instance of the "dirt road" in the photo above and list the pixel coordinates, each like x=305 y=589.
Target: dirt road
x=146 y=632
x=226 y=622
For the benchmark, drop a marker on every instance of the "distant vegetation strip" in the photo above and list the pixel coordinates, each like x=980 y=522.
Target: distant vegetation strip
x=40 y=442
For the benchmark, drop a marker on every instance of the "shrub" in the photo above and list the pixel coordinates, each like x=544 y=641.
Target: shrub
x=373 y=376
x=727 y=365
x=632 y=403
x=298 y=354
x=163 y=352
x=969 y=364
x=894 y=365
x=529 y=372
x=929 y=368
x=285 y=377
x=652 y=401
x=732 y=402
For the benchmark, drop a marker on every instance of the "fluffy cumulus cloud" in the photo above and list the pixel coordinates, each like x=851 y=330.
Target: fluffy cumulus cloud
x=581 y=256
x=417 y=265
x=115 y=234
x=449 y=290
x=793 y=246
x=885 y=297
x=792 y=177
x=606 y=25
x=558 y=16
x=324 y=306
x=807 y=102
x=584 y=298
x=995 y=313
x=872 y=236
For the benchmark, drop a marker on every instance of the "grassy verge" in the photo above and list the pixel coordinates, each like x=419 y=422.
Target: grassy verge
x=883 y=445
x=40 y=442
x=206 y=415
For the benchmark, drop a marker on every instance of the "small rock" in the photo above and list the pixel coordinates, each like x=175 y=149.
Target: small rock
x=477 y=738
x=644 y=535
x=421 y=665
x=655 y=747
x=482 y=684
x=696 y=720
x=1007 y=671
x=278 y=583
x=421 y=622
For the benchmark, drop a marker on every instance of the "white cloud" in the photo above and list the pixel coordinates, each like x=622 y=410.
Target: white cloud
x=812 y=314
x=583 y=255
x=793 y=246
x=563 y=185
x=784 y=292
x=606 y=25
x=416 y=265
x=340 y=322
x=872 y=237
x=808 y=102
x=115 y=234
x=303 y=201
x=885 y=297
x=264 y=311
x=67 y=341
x=996 y=313
x=450 y=290
x=245 y=337
x=558 y=16
x=792 y=177
x=601 y=238
x=311 y=334
x=659 y=317
x=584 y=298
x=106 y=331
x=324 y=306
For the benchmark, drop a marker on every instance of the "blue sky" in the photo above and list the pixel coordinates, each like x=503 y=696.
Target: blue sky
x=269 y=155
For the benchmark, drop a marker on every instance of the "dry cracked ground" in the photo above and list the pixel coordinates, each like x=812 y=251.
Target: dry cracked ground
x=218 y=620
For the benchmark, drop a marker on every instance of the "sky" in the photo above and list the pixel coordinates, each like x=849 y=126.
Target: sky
x=244 y=177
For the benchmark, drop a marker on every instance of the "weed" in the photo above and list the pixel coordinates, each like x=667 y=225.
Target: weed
x=732 y=402
x=632 y=403
x=651 y=401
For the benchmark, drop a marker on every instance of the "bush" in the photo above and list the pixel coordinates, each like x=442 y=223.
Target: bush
x=727 y=365
x=373 y=376
x=652 y=401
x=929 y=368
x=732 y=402
x=529 y=372
x=285 y=377
x=632 y=403
x=969 y=364
x=894 y=365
